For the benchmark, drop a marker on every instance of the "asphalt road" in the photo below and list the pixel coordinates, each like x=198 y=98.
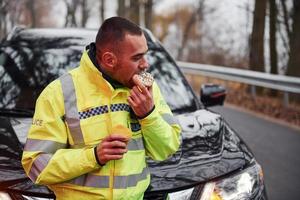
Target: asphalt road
x=276 y=147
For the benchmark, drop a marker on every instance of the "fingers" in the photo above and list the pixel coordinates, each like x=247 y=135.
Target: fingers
x=140 y=93
x=114 y=151
x=131 y=102
x=116 y=136
x=114 y=144
x=113 y=147
x=141 y=101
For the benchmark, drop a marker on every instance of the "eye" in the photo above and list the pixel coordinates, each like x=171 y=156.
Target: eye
x=137 y=58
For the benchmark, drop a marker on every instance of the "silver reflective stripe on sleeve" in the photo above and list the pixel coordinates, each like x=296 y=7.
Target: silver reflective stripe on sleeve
x=71 y=110
x=39 y=165
x=91 y=181
x=120 y=182
x=170 y=119
x=46 y=146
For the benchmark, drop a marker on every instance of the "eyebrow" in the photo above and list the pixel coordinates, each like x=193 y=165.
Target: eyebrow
x=140 y=54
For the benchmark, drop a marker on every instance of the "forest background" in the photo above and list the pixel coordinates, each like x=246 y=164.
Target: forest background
x=258 y=35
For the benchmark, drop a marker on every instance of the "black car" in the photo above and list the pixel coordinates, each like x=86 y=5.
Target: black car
x=213 y=163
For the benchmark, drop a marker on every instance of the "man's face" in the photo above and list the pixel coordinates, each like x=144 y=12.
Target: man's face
x=130 y=59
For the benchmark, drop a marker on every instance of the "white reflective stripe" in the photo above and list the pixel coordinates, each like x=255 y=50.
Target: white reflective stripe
x=120 y=182
x=39 y=165
x=170 y=119
x=75 y=130
x=46 y=146
x=136 y=144
x=71 y=110
x=90 y=180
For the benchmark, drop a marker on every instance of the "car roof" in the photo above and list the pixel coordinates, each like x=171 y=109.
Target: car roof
x=83 y=33
x=50 y=32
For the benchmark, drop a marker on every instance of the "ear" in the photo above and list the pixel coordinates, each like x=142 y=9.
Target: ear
x=109 y=59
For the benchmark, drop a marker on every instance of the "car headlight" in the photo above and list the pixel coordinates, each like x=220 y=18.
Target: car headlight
x=246 y=184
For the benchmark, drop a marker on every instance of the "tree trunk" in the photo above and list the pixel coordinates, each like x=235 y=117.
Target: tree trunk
x=71 y=11
x=101 y=10
x=84 y=13
x=134 y=14
x=286 y=18
x=272 y=29
x=30 y=6
x=3 y=14
x=188 y=28
x=272 y=32
x=294 y=60
x=148 y=14
x=121 y=8
x=256 y=58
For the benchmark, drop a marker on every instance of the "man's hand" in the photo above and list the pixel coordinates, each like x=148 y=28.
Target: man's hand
x=141 y=100
x=113 y=147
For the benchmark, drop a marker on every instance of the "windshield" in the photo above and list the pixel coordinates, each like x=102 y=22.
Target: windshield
x=173 y=86
x=27 y=65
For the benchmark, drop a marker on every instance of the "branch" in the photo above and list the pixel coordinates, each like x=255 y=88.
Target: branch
x=286 y=19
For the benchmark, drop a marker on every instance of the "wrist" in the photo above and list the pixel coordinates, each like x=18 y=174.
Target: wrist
x=147 y=114
x=96 y=156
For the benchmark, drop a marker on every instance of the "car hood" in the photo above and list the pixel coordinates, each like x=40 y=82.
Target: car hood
x=209 y=149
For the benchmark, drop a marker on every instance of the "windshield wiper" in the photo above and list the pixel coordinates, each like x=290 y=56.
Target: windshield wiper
x=16 y=112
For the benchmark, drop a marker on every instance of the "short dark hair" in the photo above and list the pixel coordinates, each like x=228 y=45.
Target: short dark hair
x=113 y=30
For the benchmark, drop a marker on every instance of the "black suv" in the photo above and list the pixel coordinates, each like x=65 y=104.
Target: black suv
x=213 y=163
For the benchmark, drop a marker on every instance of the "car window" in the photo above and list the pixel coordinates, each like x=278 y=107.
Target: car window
x=27 y=67
x=173 y=86
x=28 y=64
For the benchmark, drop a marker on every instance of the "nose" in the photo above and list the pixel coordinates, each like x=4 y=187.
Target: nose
x=144 y=63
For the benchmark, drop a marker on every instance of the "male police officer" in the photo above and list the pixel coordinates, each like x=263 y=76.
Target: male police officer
x=74 y=150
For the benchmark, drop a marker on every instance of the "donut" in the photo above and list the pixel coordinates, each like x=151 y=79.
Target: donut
x=122 y=130
x=144 y=78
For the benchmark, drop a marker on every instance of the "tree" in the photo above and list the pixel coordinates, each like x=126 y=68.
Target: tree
x=273 y=48
x=72 y=6
x=272 y=32
x=32 y=13
x=4 y=7
x=148 y=14
x=30 y=4
x=294 y=58
x=121 y=8
x=84 y=13
x=134 y=11
x=101 y=10
x=188 y=28
x=256 y=57
x=162 y=23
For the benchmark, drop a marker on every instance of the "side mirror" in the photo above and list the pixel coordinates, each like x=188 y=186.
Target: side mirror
x=212 y=94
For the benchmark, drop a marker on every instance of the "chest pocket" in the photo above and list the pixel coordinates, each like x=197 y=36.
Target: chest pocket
x=94 y=130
